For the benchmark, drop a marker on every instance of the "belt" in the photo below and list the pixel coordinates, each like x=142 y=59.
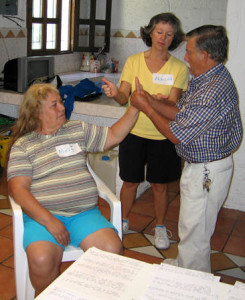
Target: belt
x=203 y=162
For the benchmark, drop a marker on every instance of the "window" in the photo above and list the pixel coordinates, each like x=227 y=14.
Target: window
x=92 y=25
x=49 y=24
x=52 y=25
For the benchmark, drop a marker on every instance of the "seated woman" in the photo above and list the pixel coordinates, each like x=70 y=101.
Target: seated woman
x=49 y=179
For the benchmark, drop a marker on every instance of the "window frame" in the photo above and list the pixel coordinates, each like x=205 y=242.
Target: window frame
x=92 y=22
x=74 y=28
x=44 y=21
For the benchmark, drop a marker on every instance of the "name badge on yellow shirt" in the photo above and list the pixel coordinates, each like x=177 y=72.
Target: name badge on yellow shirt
x=165 y=79
x=68 y=150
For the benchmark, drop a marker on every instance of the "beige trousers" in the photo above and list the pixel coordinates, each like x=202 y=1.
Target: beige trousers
x=199 y=210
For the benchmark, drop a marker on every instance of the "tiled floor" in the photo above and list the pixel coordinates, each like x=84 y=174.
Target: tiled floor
x=228 y=242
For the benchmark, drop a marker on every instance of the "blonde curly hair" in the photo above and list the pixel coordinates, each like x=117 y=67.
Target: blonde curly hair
x=30 y=109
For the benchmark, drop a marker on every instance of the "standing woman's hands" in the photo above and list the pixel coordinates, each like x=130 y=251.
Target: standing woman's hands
x=109 y=88
x=140 y=98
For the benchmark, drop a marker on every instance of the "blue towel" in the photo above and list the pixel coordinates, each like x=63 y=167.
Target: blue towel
x=82 y=90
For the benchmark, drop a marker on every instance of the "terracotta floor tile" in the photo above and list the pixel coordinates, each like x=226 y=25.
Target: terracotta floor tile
x=239 y=229
x=172 y=226
x=150 y=228
x=65 y=265
x=171 y=196
x=4 y=203
x=229 y=213
x=9 y=262
x=234 y=272
x=133 y=240
x=7 y=232
x=7 y=283
x=148 y=250
x=3 y=184
x=174 y=186
x=242 y=216
x=6 y=248
x=175 y=202
x=171 y=252
x=138 y=222
x=172 y=213
x=219 y=240
x=238 y=260
x=5 y=220
x=142 y=257
x=145 y=207
x=105 y=211
x=228 y=279
x=225 y=225
x=221 y=262
x=102 y=202
x=236 y=246
x=147 y=195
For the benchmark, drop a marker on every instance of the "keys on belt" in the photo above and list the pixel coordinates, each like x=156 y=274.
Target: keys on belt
x=206 y=180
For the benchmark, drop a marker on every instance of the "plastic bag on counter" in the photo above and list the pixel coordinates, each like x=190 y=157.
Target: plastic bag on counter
x=85 y=90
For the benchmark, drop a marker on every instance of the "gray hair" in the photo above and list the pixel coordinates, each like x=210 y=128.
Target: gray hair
x=212 y=39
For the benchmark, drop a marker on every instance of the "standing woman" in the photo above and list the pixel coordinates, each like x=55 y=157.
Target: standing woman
x=160 y=73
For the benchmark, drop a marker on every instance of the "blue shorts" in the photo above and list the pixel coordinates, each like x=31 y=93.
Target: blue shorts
x=78 y=226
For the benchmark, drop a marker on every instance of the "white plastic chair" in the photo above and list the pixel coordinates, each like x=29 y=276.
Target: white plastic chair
x=24 y=288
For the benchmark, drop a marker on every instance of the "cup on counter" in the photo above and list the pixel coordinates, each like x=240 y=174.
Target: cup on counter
x=95 y=66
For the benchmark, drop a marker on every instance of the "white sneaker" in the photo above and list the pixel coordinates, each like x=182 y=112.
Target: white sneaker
x=171 y=261
x=125 y=226
x=161 y=238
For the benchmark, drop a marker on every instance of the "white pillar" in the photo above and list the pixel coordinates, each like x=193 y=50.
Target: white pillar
x=235 y=24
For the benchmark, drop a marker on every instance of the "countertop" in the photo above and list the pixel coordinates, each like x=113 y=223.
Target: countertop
x=101 y=106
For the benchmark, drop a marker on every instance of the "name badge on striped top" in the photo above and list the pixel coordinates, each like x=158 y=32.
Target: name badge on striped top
x=165 y=79
x=68 y=150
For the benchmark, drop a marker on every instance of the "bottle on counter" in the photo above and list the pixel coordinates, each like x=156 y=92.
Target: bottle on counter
x=94 y=65
x=85 y=62
x=112 y=67
x=116 y=63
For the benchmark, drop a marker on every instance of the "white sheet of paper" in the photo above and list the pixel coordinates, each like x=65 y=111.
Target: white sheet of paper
x=236 y=292
x=100 y=275
x=174 y=283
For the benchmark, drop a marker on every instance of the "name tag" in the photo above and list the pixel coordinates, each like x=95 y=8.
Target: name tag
x=68 y=150
x=166 y=79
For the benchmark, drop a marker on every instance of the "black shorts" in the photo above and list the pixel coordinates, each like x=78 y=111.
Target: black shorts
x=163 y=165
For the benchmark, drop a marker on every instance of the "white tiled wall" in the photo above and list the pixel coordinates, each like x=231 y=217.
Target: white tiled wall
x=127 y=17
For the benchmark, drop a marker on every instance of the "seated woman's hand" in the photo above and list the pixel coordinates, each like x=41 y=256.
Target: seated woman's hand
x=58 y=230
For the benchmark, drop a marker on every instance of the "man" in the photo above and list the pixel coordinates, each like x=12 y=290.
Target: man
x=206 y=127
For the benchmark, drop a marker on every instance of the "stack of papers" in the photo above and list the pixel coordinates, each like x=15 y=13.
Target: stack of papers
x=99 y=275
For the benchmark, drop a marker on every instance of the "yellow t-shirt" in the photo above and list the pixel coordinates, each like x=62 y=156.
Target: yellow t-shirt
x=174 y=73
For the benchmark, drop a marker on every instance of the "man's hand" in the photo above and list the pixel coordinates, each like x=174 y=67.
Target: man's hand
x=109 y=88
x=160 y=97
x=58 y=230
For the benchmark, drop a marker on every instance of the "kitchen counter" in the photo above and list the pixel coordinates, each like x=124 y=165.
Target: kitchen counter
x=102 y=107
